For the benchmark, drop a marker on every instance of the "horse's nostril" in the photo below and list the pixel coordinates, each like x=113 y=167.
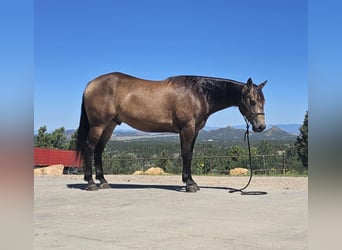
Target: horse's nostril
x=259 y=128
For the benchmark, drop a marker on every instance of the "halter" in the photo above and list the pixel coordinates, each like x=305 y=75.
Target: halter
x=248 y=109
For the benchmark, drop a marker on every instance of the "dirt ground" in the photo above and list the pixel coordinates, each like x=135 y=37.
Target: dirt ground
x=155 y=212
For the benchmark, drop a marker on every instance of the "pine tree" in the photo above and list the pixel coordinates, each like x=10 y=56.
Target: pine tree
x=56 y=139
x=42 y=140
x=72 y=143
x=302 y=142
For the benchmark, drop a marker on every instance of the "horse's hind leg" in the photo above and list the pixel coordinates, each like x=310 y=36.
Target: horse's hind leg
x=94 y=136
x=87 y=167
x=107 y=133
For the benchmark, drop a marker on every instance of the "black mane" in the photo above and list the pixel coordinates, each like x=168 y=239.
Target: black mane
x=215 y=89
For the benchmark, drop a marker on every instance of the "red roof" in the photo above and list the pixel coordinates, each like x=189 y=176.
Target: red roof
x=47 y=157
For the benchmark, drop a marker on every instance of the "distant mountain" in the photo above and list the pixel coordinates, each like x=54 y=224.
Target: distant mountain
x=232 y=134
x=222 y=134
x=138 y=135
x=68 y=133
x=275 y=133
x=208 y=128
x=236 y=135
x=292 y=128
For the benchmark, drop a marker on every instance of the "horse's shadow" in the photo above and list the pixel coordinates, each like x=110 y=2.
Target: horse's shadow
x=83 y=186
x=177 y=188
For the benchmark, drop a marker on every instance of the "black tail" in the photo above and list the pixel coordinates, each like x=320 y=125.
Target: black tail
x=82 y=133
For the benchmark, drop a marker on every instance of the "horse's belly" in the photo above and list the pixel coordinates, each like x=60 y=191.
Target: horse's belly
x=151 y=127
x=148 y=123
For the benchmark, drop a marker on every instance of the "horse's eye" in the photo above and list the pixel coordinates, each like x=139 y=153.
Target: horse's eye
x=252 y=102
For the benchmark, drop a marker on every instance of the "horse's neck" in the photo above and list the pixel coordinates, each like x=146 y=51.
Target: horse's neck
x=227 y=95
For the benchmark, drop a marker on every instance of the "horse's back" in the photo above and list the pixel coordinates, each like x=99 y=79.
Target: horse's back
x=153 y=106
x=120 y=82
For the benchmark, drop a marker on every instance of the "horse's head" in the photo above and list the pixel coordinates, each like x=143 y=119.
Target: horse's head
x=252 y=105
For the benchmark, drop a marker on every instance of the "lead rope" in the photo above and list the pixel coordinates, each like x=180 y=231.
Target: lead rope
x=233 y=190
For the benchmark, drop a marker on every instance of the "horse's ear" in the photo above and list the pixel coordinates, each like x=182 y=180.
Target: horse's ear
x=249 y=83
x=261 y=85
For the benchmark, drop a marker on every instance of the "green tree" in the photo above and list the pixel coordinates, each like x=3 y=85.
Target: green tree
x=302 y=142
x=162 y=160
x=238 y=156
x=56 y=139
x=236 y=152
x=71 y=145
x=42 y=140
x=292 y=161
x=265 y=148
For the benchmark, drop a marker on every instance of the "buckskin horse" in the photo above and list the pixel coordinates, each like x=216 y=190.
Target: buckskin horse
x=180 y=104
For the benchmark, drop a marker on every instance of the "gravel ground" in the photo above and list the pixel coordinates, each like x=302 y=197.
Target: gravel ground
x=267 y=183
x=260 y=182
x=154 y=212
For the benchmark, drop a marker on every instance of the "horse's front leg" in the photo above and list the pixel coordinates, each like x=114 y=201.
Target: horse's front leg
x=190 y=184
x=188 y=138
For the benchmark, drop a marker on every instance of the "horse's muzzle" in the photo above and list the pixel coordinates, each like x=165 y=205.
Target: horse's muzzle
x=259 y=128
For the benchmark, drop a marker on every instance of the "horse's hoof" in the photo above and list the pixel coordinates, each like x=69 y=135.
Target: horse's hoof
x=104 y=185
x=191 y=188
x=92 y=187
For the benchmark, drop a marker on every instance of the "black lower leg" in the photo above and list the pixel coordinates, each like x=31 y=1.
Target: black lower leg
x=99 y=168
x=188 y=138
x=87 y=168
x=88 y=178
x=191 y=185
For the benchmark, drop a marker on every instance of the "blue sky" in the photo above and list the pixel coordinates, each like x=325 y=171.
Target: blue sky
x=75 y=41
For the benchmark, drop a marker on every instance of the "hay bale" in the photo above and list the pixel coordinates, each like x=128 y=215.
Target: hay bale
x=39 y=171
x=154 y=171
x=53 y=170
x=138 y=172
x=239 y=171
